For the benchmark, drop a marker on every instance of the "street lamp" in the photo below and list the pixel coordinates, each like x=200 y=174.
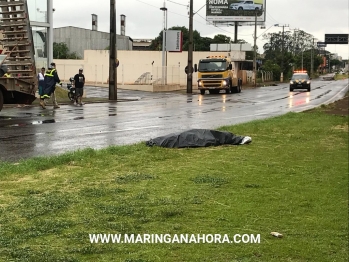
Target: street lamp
x=164 y=60
x=49 y=26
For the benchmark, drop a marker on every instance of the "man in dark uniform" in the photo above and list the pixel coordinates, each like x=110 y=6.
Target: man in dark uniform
x=79 y=82
x=50 y=80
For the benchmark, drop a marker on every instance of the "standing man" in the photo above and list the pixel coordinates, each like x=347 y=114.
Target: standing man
x=79 y=82
x=50 y=80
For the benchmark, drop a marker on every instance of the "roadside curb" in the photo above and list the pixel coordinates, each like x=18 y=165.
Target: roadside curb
x=65 y=103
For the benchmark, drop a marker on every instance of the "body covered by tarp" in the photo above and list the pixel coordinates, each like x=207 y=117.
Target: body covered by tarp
x=198 y=138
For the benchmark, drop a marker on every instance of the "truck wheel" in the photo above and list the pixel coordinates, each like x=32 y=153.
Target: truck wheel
x=234 y=89
x=227 y=90
x=202 y=91
x=240 y=85
x=1 y=100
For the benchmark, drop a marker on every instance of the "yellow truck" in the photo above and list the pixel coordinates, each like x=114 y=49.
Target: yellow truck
x=216 y=73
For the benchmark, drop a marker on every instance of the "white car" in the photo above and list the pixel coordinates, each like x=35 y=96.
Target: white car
x=245 y=5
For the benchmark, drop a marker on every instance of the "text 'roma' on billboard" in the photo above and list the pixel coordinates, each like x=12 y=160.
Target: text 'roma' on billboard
x=235 y=10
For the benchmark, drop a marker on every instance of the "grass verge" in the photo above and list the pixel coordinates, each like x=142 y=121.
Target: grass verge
x=293 y=179
x=341 y=77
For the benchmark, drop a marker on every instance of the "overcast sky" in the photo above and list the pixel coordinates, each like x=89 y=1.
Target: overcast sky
x=144 y=19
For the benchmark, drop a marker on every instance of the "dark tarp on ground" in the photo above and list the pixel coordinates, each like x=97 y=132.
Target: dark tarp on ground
x=198 y=138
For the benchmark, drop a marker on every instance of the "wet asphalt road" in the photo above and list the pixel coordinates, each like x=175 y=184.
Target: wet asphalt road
x=31 y=131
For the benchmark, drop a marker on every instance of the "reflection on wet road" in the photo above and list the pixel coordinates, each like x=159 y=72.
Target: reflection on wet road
x=32 y=131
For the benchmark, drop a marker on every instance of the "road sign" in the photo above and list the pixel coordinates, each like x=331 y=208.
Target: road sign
x=336 y=39
x=321 y=44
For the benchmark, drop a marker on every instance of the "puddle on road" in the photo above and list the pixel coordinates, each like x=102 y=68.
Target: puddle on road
x=47 y=121
x=41 y=122
x=79 y=118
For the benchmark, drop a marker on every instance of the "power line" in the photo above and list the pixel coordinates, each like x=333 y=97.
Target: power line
x=177 y=3
x=210 y=23
x=147 y=3
x=200 y=9
x=271 y=17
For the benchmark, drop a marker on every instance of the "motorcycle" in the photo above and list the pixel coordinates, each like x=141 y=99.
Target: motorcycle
x=72 y=91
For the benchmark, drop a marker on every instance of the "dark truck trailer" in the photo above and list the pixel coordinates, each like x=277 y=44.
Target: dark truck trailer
x=18 y=81
x=16 y=91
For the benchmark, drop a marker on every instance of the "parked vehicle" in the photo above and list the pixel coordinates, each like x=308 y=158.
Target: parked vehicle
x=245 y=5
x=72 y=90
x=216 y=73
x=19 y=84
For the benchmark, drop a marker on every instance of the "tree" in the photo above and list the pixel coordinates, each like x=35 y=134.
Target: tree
x=199 y=43
x=272 y=67
x=289 y=49
x=61 y=51
x=221 y=39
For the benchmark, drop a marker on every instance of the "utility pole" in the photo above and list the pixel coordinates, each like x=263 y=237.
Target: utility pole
x=282 y=52
x=255 y=51
x=312 y=59
x=236 y=24
x=49 y=20
x=294 y=45
x=164 y=60
x=190 y=51
x=112 y=54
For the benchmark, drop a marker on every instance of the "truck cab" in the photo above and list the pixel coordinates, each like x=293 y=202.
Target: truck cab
x=216 y=73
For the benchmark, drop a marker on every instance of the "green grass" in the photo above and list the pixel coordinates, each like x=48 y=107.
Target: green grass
x=341 y=77
x=293 y=179
x=62 y=98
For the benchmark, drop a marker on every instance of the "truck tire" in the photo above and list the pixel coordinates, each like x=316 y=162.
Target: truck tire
x=202 y=91
x=1 y=100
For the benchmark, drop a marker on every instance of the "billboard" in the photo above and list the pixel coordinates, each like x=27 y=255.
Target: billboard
x=174 y=41
x=321 y=44
x=235 y=10
x=336 y=39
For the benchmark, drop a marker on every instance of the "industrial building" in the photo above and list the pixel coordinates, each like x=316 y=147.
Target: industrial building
x=80 y=39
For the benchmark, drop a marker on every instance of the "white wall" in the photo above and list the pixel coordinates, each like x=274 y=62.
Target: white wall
x=132 y=65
